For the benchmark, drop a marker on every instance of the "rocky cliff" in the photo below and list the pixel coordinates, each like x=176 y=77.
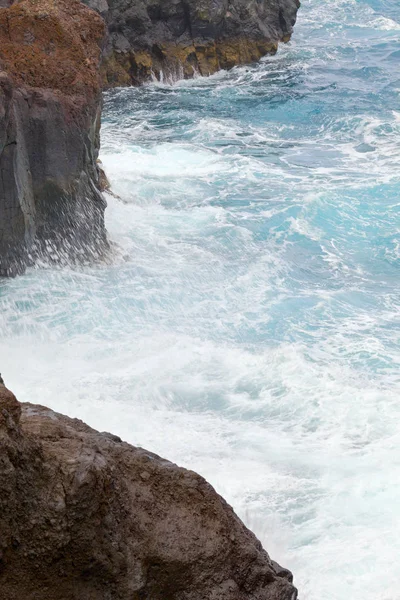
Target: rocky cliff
x=50 y=100
x=183 y=37
x=84 y=515
x=50 y=104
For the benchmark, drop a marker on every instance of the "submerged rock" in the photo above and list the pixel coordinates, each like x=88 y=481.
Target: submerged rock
x=84 y=515
x=50 y=105
x=181 y=38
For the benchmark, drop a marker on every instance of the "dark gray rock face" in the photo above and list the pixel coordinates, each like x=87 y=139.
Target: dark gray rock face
x=50 y=202
x=85 y=516
x=182 y=37
x=50 y=103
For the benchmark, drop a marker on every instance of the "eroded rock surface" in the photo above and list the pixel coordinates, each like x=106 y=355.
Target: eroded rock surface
x=50 y=104
x=183 y=37
x=84 y=515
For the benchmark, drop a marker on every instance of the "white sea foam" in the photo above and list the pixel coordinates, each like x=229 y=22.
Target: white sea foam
x=248 y=327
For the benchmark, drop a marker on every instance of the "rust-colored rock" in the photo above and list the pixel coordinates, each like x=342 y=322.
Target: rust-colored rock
x=53 y=44
x=50 y=104
x=84 y=515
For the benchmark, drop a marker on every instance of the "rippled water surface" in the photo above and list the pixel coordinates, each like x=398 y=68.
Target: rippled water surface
x=249 y=326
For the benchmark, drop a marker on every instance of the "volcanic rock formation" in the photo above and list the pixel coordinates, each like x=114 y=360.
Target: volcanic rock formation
x=50 y=105
x=183 y=37
x=51 y=205
x=84 y=515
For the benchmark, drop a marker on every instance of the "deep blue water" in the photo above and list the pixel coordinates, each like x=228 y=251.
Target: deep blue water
x=249 y=325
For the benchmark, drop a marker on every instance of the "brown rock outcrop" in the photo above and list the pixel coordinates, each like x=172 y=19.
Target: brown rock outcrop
x=85 y=516
x=50 y=105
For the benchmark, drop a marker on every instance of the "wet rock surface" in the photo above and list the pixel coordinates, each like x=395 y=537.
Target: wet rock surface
x=189 y=37
x=50 y=105
x=85 y=515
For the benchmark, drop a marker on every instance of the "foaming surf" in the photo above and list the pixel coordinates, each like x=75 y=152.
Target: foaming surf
x=248 y=328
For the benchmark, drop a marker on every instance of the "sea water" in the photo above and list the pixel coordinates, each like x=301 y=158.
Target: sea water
x=248 y=326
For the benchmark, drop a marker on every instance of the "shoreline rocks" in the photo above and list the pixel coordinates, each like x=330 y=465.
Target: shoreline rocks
x=179 y=39
x=51 y=206
x=55 y=57
x=85 y=515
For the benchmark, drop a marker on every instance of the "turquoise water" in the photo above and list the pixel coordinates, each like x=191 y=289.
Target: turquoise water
x=249 y=325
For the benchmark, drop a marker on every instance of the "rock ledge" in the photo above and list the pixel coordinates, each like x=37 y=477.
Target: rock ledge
x=182 y=38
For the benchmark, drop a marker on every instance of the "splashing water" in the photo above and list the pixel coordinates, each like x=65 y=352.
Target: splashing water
x=249 y=328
